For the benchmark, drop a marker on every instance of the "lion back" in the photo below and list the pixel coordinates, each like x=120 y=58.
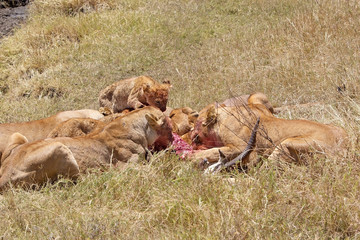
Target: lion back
x=134 y=93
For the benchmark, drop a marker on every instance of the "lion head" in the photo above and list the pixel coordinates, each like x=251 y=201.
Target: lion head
x=157 y=95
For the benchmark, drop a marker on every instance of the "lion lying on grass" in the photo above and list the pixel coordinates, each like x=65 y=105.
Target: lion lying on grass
x=228 y=129
x=39 y=129
x=77 y=127
x=120 y=141
x=183 y=120
x=134 y=93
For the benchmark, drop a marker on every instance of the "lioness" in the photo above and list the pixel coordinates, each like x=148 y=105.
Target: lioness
x=120 y=141
x=229 y=128
x=77 y=127
x=134 y=93
x=39 y=129
x=183 y=119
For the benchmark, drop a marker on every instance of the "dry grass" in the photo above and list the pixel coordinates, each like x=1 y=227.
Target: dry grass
x=293 y=51
x=169 y=199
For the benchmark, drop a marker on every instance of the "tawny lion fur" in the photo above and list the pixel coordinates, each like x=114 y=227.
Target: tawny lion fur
x=182 y=121
x=77 y=127
x=134 y=93
x=229 y=129
x=39 y=129
x=255 y=98
x=120 y=141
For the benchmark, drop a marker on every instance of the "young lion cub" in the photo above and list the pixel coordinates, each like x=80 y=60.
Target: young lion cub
x=134 y=93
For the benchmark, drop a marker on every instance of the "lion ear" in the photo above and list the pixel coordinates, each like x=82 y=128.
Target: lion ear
x=15 y=140
x=153 y=121
x=194 y=114
x=146 y=87
x=260 y=98
x=167 y=84
x=187 y=110
x=106 y=111
x=211 y=116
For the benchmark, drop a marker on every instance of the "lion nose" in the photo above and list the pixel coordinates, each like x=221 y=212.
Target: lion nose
x=163 y=109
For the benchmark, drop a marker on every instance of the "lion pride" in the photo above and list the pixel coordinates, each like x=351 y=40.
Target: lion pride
x=229 y=128
x=134 y=93
x=120 y=141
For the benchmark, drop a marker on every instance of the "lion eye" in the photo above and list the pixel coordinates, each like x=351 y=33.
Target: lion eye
x=196 y=139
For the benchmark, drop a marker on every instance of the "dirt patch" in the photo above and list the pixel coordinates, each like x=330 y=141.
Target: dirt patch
x=12 y=13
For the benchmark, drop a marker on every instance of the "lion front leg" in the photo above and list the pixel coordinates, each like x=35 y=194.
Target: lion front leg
x=230 y=153
x=128 y=154
x=133 y=100
x=212 y=154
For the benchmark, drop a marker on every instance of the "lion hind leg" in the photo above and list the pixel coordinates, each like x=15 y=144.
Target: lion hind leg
x=45 y=163
x=291 y=149
x=62 y=161
x=106 y=96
